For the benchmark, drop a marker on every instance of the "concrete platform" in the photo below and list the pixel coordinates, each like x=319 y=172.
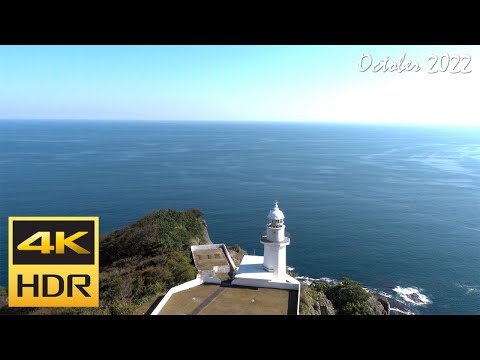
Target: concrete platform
x=207 y=259
x=225 y=299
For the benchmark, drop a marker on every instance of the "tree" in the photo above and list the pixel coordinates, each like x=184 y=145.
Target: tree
x=349 y=298
x=321 y=286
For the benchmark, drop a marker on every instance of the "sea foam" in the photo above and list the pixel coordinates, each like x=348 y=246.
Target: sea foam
x=470 y=289
x=412 y=295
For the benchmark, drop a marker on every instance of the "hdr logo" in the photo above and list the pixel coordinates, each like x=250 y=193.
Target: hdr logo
x=53 y=261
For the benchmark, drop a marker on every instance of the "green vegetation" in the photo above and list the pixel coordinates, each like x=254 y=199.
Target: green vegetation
x=145 y=259
x=321 y=286
x=347 y=298
x=236 y=252
x=140 y=262
x=308 y=299
x=313 y=300
x=3 y=297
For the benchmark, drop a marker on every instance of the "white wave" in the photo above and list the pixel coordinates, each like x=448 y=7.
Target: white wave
x=473 y=290
x=404 y=312
x=466 y=227
x=303 y=278
x=412 y=295
x=328 y=280
x=308 y=280
x=470 y=289
x=289 y=268
x=384 y=294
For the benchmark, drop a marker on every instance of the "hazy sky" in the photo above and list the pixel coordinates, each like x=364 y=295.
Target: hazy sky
x=299 y=83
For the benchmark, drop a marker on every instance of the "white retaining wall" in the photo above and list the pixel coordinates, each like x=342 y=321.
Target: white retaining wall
x=292 y=283
x=185 y=286
x=175 y=289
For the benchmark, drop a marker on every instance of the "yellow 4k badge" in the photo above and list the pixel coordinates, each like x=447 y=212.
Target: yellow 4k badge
x=53 y=261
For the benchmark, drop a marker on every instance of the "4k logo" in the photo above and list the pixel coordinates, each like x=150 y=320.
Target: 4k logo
x=53 y=261
x=45 y=247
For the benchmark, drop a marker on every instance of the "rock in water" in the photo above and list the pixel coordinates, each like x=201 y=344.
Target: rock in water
x=415 y=298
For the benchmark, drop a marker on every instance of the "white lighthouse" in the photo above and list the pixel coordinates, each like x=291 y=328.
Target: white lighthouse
x=269 y=270
x=275 y=241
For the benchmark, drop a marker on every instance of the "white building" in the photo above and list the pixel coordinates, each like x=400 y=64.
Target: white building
x=260 y=285
x=269 y=270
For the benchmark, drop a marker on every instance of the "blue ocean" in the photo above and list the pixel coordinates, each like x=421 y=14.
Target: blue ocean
x=394 y=207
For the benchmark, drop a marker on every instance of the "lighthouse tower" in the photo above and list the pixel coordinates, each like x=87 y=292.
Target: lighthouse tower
x=275 y=241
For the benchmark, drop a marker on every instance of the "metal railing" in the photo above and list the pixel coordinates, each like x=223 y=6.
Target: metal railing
x=263 y=236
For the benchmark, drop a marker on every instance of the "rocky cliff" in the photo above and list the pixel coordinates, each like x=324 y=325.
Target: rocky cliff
x=344 y=298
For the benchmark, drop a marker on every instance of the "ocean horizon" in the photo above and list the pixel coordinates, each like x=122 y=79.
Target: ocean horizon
x=395 y=207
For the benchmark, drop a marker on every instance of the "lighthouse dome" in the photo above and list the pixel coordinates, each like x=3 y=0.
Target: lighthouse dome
x=276 y=213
